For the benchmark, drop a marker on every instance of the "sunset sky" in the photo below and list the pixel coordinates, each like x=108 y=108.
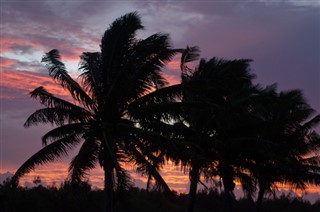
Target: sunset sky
x=281 y=36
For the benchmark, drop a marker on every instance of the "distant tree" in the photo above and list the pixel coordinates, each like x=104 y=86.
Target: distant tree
x=115 y=82
x=37 y=181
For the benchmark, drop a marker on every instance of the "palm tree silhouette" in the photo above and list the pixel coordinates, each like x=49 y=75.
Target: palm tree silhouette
x=284 y=125
x=215 y=88
x=115 y=82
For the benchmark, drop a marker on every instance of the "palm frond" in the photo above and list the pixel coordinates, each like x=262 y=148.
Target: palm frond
x=57 y=116
x=248 y=184
x=311 y=162
x=91 y=75
x=149 y=56
x=136 y=134
x=123 y=179
x=309 y=125
x=141 y=160
x=58 y=71
x=64 y=131
x=141 y=71
x=52 y=101
x=115 y=43
x=162 y=111
x=189 y=54
x=293 y=105
x=84 y=161
x=166 y=94
x=159 y=137
x=47 y=154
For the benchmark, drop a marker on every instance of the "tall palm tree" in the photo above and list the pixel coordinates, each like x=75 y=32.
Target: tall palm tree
x=115 y=82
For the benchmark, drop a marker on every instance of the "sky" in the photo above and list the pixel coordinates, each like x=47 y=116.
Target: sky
x=282 y=37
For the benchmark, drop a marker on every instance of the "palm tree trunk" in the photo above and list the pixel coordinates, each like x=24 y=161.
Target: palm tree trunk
x=260 y=199
x=194 y=179
x=108 y=174
x=108 y=186
x=228 y=185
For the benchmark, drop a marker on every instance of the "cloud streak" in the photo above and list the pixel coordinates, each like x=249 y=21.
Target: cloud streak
x=17 y=84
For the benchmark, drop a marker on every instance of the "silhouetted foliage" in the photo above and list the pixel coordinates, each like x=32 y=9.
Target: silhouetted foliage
x=66 y=198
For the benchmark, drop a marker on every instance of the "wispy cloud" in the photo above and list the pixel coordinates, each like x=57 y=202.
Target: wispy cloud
x=20 y=83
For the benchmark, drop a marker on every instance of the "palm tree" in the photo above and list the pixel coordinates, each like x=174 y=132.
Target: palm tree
x=214 y=86
x=115 y=82
x=283 y=125
x=232 y=95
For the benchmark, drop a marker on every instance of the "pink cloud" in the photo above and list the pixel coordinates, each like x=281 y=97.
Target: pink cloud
x=6 y=62
x=23 y=82
x=174 y=65
x=172 y=79
x=8 y=43
x=68 y=50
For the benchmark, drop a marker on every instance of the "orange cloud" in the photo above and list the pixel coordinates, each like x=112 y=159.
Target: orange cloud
x=49 y=174
x=71 y=55
x=6 y=62
x=57 y=172
x=23 y=82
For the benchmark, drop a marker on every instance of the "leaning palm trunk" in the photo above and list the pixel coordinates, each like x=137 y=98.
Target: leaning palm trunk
x=194 y=179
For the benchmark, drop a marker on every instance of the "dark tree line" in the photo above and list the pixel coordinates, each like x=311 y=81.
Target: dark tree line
x=82 y=198
x=215 y=123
